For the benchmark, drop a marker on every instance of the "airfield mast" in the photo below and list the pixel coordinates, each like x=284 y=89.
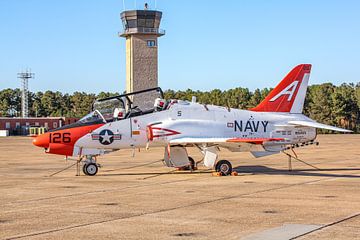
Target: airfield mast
x=25 y=76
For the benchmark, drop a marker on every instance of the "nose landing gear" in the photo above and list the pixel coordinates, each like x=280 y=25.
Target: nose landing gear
x=90 y=167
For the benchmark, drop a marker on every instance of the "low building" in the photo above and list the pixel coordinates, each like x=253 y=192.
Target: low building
x=21 y=126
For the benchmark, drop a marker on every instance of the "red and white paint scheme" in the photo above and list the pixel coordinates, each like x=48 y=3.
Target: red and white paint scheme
x=275 y=125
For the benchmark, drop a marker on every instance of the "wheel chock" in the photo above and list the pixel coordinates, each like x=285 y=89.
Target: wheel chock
x=217 y=174
x=220 y=174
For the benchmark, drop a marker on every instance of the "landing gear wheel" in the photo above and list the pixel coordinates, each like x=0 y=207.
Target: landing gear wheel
x=190 y=167
x=192 y=164
x=84 y=169
x=90 y=169
x=224 y=167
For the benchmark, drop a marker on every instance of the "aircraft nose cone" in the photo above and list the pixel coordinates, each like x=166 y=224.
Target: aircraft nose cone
x=41 y=141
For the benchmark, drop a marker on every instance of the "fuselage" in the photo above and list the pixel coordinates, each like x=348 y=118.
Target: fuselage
x=181 y=120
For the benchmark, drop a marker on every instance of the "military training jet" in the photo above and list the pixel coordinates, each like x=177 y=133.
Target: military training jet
x=145 y=119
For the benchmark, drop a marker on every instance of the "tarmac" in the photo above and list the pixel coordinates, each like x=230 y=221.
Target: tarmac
x=139 y=198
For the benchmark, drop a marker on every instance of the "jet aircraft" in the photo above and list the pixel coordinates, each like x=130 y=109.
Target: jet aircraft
x=115 y=123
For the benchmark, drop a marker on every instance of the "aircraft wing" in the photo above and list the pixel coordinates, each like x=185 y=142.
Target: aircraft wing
x=317 y=125
x=223 y=140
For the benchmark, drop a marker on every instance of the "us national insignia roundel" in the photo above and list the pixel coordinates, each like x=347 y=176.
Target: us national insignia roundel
x=106 y=137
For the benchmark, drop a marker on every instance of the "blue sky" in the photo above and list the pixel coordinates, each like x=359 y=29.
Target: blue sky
x=72 y=45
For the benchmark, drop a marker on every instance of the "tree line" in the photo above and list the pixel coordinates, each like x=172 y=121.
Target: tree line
x=49 y=103
x=326 y=103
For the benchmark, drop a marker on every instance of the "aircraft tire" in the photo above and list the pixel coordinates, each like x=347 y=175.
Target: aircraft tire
x=224 y=167
x=192 y=163
x=84 y=169
x=91 y=169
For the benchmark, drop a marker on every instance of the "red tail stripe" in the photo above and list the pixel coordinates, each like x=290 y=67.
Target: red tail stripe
x=278 y=99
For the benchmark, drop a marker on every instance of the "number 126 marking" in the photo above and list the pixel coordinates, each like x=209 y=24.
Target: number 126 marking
x=59 y=138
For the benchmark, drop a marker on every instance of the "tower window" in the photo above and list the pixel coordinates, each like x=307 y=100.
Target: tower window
x=131 y=24
x=151 y=43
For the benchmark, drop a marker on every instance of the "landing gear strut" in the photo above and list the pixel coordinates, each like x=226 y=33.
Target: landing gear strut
x=223 y=167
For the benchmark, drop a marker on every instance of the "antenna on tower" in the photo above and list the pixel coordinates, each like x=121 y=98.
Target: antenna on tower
x=124 y=8
x=25 y=76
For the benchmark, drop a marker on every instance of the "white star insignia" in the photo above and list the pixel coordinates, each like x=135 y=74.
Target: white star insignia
x=106 y=137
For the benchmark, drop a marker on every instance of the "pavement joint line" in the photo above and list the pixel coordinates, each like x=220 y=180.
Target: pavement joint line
x=328 y=225
x=105 y=190
x=156 y=212
x=120 y=189
x=157 y=175
x=94 y=192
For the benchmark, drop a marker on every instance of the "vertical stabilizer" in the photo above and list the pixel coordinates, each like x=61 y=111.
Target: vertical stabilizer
x=289 y=94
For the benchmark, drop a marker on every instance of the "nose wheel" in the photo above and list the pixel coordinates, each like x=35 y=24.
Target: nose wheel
x=90 y=169
x=223 y=167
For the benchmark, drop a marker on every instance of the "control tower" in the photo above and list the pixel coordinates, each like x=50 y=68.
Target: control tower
x=141 y=30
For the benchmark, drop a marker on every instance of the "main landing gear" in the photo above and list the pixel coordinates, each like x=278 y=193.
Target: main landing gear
x=177 y=156
x=223 y=168
x=192 y=164
x=191 y=167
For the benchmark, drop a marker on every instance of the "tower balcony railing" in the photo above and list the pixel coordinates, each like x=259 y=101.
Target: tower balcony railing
x=142 y=30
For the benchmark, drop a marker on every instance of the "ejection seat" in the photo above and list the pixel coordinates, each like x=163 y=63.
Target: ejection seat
x=119 y=113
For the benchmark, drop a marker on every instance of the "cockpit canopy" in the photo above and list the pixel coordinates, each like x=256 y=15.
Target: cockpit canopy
x=93 y=117
x=124 y=106
x=132 y=104
x=108 y=107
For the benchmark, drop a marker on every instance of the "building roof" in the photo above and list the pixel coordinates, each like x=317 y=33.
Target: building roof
x=31 y=118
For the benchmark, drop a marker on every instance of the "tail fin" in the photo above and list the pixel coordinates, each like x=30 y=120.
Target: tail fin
x=289 y=94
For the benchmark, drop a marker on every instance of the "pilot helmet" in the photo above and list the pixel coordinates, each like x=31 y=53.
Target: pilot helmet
x=159 y=104
x=119 y=113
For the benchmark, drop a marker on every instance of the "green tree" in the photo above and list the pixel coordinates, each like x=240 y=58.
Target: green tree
x=10 y=102
x=255 y=98
x=81 y=103
x=345 y=108
x=320 y=103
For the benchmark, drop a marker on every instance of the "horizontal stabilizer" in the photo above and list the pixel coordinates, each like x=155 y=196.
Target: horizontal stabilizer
x=318 y=125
